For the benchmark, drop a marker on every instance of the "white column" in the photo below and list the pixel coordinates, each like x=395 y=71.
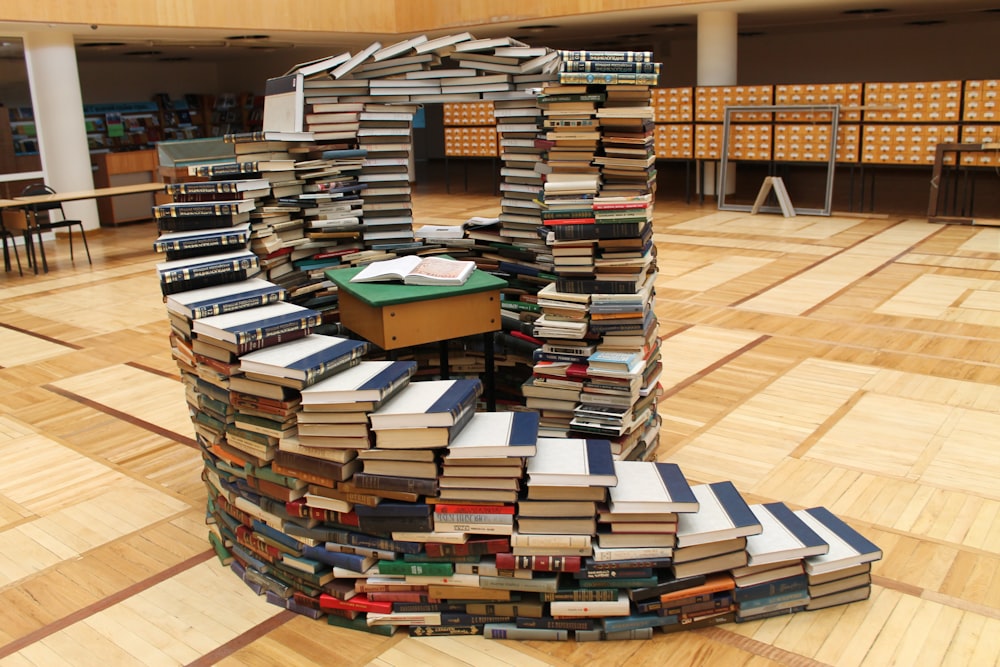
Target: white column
x=717 y=66
x=58 y=105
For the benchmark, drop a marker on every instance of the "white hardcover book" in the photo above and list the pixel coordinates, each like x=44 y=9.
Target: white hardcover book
x=284 y=104
x=491 y=434
x=722 y=514
x=229 y=297
x=591 y=608
x=368 y=381
x=302 y=359
x=783 y=536
x=399 y=48
x=256 y=323
x=572 y=462
x=432 y=403
x=848 y=547
x=441 y=43
x=648 y=486
x=352 y=63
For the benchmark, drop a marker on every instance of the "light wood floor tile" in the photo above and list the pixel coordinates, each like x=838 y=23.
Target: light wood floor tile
x=161 y=401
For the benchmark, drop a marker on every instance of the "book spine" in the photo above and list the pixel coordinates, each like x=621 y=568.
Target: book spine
x=508 y=561
x=208 y=187
x=611 y=66
x=548 y=623
x=471 y=548
x=511 y=631
x=409 y=567
x=610 y=79
x=269 y=340
x=428 y=487
x=353 y=562
x=608 y=56
x=277 y=329
x=444 y=630
x=208 y=270
x=169 y=211
x=451 y=508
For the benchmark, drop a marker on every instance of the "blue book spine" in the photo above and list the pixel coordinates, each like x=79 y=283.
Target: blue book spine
x=795 y=584
x=315 y=364
x=524 y=428
x=600 y=460
x=796 y=526
x=391 y=509
x=460 y=394
x=856 y=540
x=732 y=502
x=750 y=605
x=273 y=326
x=354 y=562
x=677 y=486
x=636 y=621
x=389 y=376
x=277 y=535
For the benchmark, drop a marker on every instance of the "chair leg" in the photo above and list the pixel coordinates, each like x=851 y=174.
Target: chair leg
x=85 y=246
x=17 y=255
x=70 y=231
x=41 y=249
x=29 y=250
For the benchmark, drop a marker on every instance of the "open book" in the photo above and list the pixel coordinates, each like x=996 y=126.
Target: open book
x=413 y=270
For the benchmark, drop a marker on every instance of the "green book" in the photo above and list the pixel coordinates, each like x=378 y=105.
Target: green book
x=410 y=567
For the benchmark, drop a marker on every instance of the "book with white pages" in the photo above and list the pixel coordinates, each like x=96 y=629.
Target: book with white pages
x=848 y=547
x=496 y=434
x=722 y=514
x=784 y=536
x=649 y=486
x=431 y=403
x=572 y=462
x=416 y=270
x=369 y=381
x=230 y=297
x=302 y=362
x=252 y=324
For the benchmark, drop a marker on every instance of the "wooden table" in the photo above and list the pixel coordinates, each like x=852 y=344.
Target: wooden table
x=76 y=195
x=393 y=315
x=60 y=197
x=936 y=207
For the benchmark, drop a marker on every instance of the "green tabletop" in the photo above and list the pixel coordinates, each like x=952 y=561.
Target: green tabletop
x=392 y=293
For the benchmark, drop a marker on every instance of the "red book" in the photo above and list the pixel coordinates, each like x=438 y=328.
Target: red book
x=509 y=561
x=492 y=545
x=524 y=336
x=357 y=603
x=444 y=508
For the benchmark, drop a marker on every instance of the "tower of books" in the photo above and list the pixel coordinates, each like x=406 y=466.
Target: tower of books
x=341 y=489
x=597 y=371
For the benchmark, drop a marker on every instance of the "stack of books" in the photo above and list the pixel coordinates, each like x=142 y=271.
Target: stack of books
x=340 y=490
x=485 y=461
x=386 y=135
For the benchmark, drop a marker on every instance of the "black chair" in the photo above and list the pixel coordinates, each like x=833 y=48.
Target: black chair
x=7 y=235
x=38 y=226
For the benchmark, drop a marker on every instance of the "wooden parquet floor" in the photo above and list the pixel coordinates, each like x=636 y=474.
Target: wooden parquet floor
x=852 y=362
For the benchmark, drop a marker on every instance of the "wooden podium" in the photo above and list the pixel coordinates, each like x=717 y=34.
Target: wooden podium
x=393 y=316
